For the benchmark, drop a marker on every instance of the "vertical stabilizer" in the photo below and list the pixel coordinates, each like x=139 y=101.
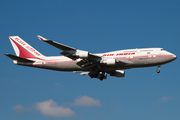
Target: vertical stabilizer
x=23 y=49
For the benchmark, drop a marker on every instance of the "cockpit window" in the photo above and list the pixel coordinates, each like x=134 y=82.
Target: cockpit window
x=162 y=49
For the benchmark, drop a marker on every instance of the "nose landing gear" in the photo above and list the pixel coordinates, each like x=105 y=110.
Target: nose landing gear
x=158 y=69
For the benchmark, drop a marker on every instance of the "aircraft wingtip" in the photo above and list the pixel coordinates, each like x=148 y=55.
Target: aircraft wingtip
x=6 y=54
x=41 y=38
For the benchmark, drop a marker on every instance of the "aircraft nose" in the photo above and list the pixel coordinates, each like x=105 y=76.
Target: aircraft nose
x=174 y=56
x=170 y=57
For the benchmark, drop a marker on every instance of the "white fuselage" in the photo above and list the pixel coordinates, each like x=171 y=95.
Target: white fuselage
x=134 y=58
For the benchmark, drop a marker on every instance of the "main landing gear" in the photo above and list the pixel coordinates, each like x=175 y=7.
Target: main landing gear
x=94 y=74
x=97 y=74
x=158 y=69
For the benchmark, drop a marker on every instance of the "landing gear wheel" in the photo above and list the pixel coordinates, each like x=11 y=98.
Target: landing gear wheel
x=158 y=69
x=94 y=74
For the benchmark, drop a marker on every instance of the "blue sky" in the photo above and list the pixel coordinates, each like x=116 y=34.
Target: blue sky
x=97 y=26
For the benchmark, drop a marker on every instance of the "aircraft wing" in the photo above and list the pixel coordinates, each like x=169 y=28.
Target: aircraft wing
x=88 y=61
x=69 y=52
x=55 y=44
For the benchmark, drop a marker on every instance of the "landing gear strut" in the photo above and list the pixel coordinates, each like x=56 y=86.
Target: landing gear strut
x=158 y=69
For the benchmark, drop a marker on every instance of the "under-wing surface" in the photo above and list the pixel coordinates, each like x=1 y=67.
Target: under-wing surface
x=94 y=65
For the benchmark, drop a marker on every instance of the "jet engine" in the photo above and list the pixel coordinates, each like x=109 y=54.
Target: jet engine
x=109 y=61
x=82 y=54
x=118 y=73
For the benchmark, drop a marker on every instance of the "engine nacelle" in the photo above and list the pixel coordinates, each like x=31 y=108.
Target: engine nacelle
x=118 y=73
x=109 y=61
x=82 y=54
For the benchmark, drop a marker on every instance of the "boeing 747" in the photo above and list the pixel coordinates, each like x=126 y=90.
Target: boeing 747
x=94 y=65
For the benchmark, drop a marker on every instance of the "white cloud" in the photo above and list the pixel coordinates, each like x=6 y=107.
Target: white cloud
x=86 y=101
x=51 y=108
x=19 y=108
x=165 y=99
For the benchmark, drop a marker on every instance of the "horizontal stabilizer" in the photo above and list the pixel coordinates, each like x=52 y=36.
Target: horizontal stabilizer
x=18 y=58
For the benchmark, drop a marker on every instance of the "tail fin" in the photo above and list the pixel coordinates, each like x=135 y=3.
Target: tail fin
x=23 y=49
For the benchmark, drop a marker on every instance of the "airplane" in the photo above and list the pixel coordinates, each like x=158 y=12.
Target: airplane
x=86 y=63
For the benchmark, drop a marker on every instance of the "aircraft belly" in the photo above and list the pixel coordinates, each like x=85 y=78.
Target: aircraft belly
x=61 y=66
